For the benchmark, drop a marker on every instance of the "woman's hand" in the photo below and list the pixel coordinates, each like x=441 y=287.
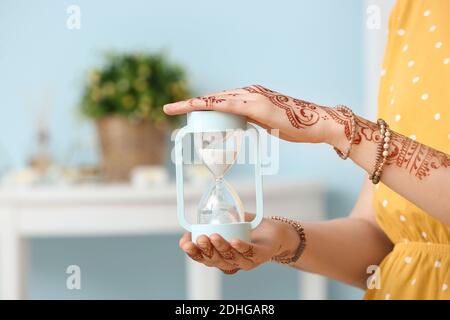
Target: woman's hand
x=271 y=238
x=296 y=120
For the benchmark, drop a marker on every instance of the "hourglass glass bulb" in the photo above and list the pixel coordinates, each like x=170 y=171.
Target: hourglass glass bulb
x=218 y=150
x=218 y=161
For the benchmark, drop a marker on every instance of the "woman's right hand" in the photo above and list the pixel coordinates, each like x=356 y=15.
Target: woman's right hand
x=270 y=239
x=296 y=120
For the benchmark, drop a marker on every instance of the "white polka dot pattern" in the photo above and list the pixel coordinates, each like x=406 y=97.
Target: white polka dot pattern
x=413 y=101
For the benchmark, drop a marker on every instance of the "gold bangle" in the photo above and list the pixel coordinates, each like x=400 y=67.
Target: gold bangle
x=301 y=246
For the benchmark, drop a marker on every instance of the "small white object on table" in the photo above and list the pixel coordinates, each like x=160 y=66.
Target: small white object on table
x=107 y=210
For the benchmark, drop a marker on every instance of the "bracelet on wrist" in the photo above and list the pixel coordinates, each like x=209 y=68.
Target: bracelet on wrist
x=301 y=246
x=382 y=151
x=347 y=111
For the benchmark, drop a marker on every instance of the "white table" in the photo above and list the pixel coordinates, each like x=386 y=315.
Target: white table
x=105 y=210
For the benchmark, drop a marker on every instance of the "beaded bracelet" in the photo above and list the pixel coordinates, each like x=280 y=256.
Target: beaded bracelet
x=382 y=151
x=301 y=247
x=345 y=109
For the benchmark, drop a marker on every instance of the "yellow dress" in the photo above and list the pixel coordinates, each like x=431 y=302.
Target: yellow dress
x=415 y=100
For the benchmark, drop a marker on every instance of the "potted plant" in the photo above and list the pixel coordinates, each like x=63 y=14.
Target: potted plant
x=125 y=98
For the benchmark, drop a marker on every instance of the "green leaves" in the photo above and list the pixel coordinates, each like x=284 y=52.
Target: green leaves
x=134 y=85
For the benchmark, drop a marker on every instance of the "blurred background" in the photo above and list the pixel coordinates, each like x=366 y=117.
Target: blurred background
x=83 y=81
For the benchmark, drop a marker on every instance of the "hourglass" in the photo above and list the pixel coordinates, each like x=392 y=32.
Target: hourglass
x=217 y=139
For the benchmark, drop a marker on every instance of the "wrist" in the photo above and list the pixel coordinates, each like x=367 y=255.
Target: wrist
x=335 y=131
x=288 y=239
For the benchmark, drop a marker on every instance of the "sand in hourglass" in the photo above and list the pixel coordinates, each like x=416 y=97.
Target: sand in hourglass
x=218 y=161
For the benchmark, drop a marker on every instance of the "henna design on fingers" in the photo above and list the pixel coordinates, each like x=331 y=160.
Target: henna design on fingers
x=206 y=102
x=227 y=254
x=229 y=272
x=207 y=251
x=197 y=257
x=301 y=114
x=249 y=253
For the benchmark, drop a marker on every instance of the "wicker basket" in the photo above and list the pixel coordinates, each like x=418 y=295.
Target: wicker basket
x=126 y=144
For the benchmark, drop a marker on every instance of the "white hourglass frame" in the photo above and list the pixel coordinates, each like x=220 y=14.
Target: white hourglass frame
x=214 y=121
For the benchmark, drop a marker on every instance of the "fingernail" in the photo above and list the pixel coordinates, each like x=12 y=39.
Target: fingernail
x=167 y=107
x=215 y=237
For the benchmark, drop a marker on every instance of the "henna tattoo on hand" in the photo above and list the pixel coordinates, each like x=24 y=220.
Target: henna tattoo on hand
x=229 y=272
x=343 y=118
x=301 y=114
x=364 y=129
x=207 y=251
x=197 y=256
x=284 y=257
x=227 y=254
x=205 y=102
x=405 y=153
x=249 y=253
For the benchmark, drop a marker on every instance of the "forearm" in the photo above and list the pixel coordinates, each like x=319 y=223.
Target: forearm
x=415 y=171
x=341 y=249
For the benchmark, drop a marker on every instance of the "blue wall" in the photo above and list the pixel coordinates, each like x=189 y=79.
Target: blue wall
x=308 y=49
